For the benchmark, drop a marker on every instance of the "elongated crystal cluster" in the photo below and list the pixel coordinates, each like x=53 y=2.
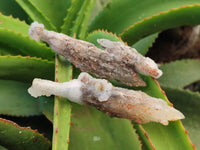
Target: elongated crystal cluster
x=117 y=61
x=115 y=101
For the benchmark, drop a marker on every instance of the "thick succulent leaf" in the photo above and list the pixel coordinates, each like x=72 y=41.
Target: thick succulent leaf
x=10 y=23
x=143 y=137
x=39 y=123
x=35 y=13
x=119 y=15
x=46 y=106
x=15 y=100
x=143 y=45
x=5 y=50
x=15 y=137
x=180 y=73
x=25 y=68
x=173 y=136
x=189 y=103
x=80 y=16
x=93 y=129
x=185 y=15
x=69 y=20
x=85 y=20
x=25 y=44
x=62 y=107
x=10 y=7
x=54 y=10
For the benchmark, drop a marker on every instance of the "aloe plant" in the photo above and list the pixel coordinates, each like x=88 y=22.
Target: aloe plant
x=78 y=127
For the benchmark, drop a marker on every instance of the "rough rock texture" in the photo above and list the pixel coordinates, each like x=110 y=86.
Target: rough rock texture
x=115 y=101
x=117 y=61
x=129 y=104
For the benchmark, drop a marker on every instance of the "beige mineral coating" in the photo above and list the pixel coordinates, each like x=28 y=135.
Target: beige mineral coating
x=117 y=61
x=115 y=101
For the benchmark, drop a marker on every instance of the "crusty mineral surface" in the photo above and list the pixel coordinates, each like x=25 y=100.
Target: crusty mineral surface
x=117 y=61
x=115 y=101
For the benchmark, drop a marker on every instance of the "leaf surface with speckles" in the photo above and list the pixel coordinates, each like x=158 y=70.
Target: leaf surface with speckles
x=15 y=137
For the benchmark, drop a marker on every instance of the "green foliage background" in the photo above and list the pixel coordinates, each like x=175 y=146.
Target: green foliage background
x=76 y=127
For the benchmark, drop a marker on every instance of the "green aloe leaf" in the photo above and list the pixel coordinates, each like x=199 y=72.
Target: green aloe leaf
x=143 y=137
x=15 y=100
x=55 y=11
x=180 y=73
x=5 y=50
x=118 y=15
x=25 y=44
x=9 y=7
x=86 y=18
x=62 y=107
x=96 y=130
x=188 y=103
x=80 y=16
x=46 y=106
x=11 y=68
x=15 y=137
x=10 y=23
x=185 y=15
x=71 y=16
x=143 y=45
x=35 y=14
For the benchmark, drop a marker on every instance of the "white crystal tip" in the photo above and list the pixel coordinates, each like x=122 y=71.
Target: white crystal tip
x=36 y=30
x=159 y=74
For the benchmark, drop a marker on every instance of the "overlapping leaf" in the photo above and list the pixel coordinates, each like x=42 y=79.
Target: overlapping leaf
x=25 y=44
x=15 y=137
x=62 y=107
x=25 y=69
x=35 y=13
x=180 y=73
x=10 y=23
x=188 y=103
x=69 y=20
x=55 y=11
x=96 y=130
x=15 y=101
x=10 y=7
